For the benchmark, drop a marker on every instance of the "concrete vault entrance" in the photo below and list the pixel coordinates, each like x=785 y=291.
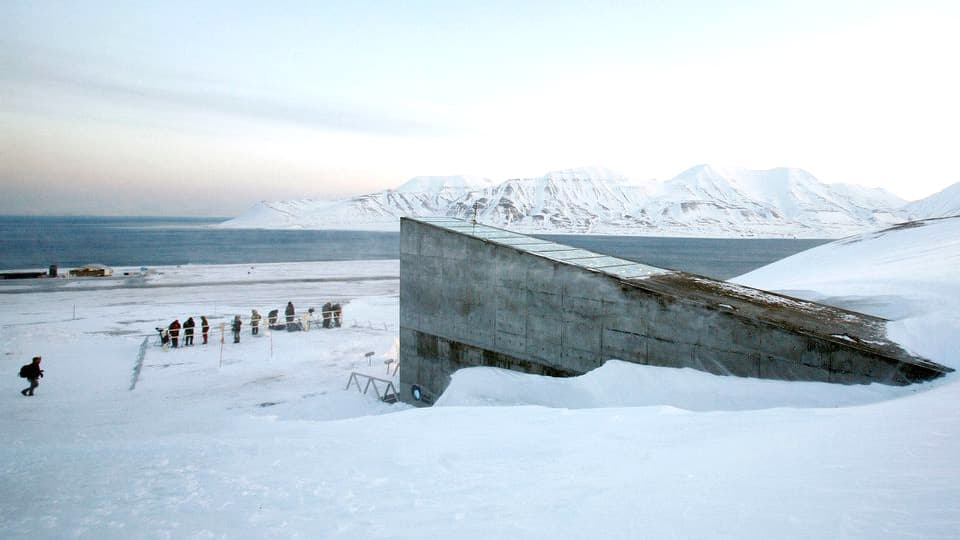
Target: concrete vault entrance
x=474 y=295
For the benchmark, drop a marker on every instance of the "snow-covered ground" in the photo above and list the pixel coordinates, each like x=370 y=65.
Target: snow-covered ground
x=270 y=445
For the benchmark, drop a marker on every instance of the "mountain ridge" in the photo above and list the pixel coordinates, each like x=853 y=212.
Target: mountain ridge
x=702 y=201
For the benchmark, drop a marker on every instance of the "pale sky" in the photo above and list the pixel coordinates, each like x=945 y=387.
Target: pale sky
x=204 y=108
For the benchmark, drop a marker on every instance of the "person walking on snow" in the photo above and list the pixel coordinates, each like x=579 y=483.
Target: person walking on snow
x=289 y=312
x=237 y=323
x=175 y=332
x=255 y=322
x=204 y=327
x=32 y=373
x=188 y=332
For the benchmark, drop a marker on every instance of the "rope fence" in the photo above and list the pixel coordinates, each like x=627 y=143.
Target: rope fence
x=302 y=323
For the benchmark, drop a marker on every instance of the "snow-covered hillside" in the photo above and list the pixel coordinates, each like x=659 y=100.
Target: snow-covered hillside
x=379 y=211
x=702 y=201
x=942 y=204
x=553 y=203
x=775 y=202
x=439 y=184
x=907 y=274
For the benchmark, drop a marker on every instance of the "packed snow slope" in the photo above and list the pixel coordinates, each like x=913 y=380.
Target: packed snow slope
x=622 y=384
x=907 y=273
x=269 y=444
x=942 y=204
x=702 y=201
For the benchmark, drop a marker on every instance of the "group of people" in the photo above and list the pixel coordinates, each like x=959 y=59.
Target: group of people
x=171 y=334
x=332 y=316
x=290 y=313
x=273 y=317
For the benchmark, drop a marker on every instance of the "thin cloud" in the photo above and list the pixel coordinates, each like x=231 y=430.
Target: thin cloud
x=86 y=77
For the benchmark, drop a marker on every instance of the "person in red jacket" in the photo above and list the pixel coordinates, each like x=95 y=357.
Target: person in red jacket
x=175 y=332
x=32 y=373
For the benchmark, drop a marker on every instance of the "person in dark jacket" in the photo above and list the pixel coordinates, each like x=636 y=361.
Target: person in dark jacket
x=289 y=312
x=32 y=373
x=204 y=327
x=272 y=318
x=188 y=332
x=255 y=322
x=175 y=333
x=327 y=314
x=235 y=326
x=337 y=315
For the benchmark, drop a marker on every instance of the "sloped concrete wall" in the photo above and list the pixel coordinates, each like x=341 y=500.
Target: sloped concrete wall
x=467 y=301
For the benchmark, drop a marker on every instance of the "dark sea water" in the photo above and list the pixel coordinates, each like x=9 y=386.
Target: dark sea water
x=37 y=242
x=720 y=258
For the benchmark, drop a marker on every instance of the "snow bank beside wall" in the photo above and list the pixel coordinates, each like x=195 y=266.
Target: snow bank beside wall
x=624 y=384
x=907 y=274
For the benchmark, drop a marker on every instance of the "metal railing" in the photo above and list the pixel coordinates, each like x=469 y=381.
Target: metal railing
x=389 y=395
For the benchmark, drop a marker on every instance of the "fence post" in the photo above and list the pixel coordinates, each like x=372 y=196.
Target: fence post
x=223 y=327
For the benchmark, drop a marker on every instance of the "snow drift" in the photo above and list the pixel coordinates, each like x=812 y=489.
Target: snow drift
x=907 y=273
x=942 y=204
x=622 y=384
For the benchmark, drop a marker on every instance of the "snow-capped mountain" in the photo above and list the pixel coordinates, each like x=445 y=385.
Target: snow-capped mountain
x=774 y=202
x=419 y=197
x=588 y=173
x=439 y=184
x=942 y=204
x=563 y=200
x=701 y=201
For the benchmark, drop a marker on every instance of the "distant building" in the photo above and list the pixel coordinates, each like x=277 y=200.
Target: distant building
x=92 y=270
x=22 y=275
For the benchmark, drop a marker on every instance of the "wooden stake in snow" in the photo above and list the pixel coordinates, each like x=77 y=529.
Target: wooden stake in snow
x=223 y=331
